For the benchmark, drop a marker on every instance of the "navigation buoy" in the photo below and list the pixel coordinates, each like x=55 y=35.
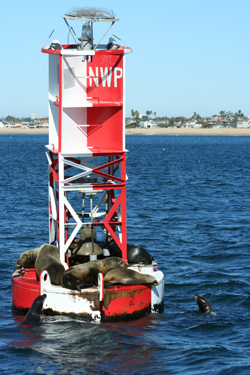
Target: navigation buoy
x=87 y=180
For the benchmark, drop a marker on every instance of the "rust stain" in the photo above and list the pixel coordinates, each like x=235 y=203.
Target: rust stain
x=110 y=296
x=91 y=296
x=123 y=305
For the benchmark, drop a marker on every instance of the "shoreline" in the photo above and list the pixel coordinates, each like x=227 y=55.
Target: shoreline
x=190 y=131
x=23 y=131
x=152 y=131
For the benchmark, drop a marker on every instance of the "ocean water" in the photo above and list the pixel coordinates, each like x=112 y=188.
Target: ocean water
x=188 y=204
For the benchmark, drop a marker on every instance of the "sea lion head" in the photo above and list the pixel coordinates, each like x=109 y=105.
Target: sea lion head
x=27 y=258
x=35 y=311
x=152 y=281
x=112 y=262
x=203 y=303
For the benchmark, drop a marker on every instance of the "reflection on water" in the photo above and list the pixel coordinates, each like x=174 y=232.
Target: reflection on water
x=91 y=346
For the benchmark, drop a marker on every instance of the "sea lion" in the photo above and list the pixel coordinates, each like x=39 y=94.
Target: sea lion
x=203 y=303
x=27 y=258
x=48 y=259
x=84 y=275
x=128 y=277
x=135 y=254
x=34 y=313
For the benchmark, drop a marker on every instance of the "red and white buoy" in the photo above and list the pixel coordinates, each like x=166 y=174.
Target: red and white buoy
x=87 y=164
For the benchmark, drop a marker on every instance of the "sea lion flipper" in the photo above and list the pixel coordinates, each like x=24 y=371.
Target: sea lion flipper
x=94 y=276
x=81 y=285
x=109 y=284
x=68 y=281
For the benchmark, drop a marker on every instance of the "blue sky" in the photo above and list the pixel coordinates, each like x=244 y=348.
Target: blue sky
x=188 y=55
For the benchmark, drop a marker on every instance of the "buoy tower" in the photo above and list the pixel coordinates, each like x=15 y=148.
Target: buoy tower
x=87 y=174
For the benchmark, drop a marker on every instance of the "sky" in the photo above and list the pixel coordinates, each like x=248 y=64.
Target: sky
x=188 y=55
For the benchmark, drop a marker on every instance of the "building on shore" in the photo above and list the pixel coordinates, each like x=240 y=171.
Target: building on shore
x=147 y=124
x=243 y=124
x=143 y=117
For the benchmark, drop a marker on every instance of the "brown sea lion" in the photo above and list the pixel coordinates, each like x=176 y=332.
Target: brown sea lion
x=203 y=303
x=27 y=258
x=35 y=312
x=48 y=259
x=135 y=254
x=84 y=275
x=128 y=277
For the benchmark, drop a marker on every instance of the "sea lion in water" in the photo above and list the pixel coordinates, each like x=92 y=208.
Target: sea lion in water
x=27 y=258
x=48 y=259
x=203 y=303
x=84 y=275
x=34 y=313
x=128 y=277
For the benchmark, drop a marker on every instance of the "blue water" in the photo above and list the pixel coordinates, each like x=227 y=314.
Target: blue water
x=188 y=203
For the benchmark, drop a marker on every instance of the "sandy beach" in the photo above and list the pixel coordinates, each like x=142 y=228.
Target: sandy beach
x=181 y=131
x=23 y=131
x=190 y=131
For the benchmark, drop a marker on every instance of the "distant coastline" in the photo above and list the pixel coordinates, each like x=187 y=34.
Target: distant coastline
x=178 y=131
x=191 y=131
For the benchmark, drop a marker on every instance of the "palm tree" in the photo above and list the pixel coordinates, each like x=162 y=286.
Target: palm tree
x=133 y=114
x=148 y=113
x=137 y=118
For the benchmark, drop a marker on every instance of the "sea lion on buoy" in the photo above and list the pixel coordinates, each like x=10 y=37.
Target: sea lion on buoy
x=135 y=254
x=27 y=258
x=128 y=277
x=48 y=259
x=203 y=303
x=34 y=313
x=84 y=275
